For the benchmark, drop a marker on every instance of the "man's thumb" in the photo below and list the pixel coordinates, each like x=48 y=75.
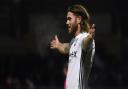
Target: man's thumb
x=56 y=38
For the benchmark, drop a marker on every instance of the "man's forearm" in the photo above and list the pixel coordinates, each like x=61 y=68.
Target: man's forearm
x=63 y=48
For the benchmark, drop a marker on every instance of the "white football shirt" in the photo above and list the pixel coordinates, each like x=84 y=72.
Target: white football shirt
x=80 y=61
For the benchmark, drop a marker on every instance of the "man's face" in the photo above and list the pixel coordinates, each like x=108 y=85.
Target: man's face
x=71 y=23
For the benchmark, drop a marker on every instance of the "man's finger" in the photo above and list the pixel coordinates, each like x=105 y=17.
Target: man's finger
x=52 y=47
x=56 y=38
x=93 y=26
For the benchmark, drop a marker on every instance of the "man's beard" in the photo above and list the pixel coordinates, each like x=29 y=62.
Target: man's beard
x=73 y=28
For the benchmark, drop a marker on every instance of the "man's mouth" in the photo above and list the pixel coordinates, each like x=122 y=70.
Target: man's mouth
x=69 y=27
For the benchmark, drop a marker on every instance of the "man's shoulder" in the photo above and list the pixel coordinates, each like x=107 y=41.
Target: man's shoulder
x=84 y=35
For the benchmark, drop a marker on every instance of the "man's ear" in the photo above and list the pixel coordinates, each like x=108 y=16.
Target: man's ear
x=79 y=19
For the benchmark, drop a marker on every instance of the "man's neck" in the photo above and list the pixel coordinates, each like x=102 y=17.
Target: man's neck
x=78 y=31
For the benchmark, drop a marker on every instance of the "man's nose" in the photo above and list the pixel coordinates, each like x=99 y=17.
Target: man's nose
x=67 y=22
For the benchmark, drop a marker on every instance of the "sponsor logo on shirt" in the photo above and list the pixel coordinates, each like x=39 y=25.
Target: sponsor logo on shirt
x=73 y=54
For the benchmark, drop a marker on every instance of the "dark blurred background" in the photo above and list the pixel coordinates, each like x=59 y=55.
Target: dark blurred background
x=28 y=26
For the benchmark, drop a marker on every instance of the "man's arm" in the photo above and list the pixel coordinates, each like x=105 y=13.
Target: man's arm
x=64 y=48
x=61 y=47
x=90 y=37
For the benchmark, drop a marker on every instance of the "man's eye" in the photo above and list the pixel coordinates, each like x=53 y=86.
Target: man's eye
x=68 y=18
